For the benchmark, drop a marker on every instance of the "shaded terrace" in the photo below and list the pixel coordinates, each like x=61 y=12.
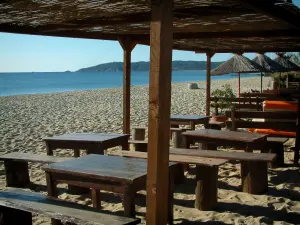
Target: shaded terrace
x=203 y=26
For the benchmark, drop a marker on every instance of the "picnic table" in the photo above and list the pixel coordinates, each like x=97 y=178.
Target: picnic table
x=191 y=120
x=94 y=143
x=116 y=174
x=228 y=138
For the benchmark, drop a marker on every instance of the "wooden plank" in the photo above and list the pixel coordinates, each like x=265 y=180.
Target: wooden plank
x=175 y=158
x=243 y=156
x=208 y=78
x=247 y=106
x=266 y=115
x=60 y=210
x=161 y=32
x=102 y=167
x=137 y=141
x=210 y=135
x=127 y=45
x=283 y=126
x=28 y=157
x=297 y=144
x=241 y=100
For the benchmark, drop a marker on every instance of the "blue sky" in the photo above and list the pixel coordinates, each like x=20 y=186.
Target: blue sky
x=27 y=53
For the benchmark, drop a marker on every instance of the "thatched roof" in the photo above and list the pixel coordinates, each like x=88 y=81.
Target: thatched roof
x=269 y=65
x=199 y=25
x=237 y=64
x=287 y=63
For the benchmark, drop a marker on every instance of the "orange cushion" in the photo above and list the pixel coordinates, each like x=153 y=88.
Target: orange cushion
x=280 y=105
x=274 y=132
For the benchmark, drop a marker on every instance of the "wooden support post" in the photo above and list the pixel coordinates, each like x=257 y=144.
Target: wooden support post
x=239 y=84
x=129 y=201
x=233 y=119
x=17 y=174
x=139 y=135
x=127 y=45
x=52 y=192
x=261 y=82
x=14 y=216
x=96 y=198
x=278 y=149
x=254 y=177
x=206 y=189
x=178 y=142
x=161 y=41
x=208 y=79
x=297 y=144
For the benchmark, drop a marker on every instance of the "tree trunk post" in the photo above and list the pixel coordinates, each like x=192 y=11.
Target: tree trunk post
x=209 y=55
x=161 y=41
x=127 y=45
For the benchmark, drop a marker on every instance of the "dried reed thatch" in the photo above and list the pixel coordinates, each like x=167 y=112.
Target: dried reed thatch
x=287 y=63
x=269 y=65
x=237 y=64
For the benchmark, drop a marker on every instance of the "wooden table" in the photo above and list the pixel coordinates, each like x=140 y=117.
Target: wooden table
x=251 y=172
x=229 y=138
x=94 y=143
x=189 y=120
x=117 y=174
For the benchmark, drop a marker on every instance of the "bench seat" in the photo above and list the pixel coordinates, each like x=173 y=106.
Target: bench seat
x=206 y=175
x=17 y=206
x=16 y=166
x=254 y=169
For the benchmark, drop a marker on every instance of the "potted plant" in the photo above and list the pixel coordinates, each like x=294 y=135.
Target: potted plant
x=222 y=94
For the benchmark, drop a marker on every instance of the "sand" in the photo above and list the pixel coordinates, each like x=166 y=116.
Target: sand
x=26 y=119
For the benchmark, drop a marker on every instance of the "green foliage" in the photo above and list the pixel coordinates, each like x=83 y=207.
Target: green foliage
x=280 y=80
x=222 y=94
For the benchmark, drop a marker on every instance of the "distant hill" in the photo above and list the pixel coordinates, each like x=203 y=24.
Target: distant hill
x=144 y=66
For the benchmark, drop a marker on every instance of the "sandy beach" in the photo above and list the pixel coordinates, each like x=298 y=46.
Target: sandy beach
x=25 y=120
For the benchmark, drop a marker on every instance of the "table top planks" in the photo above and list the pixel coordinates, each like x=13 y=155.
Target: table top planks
x=87 y=137
x=112 y=168
x=174 y=158
x=226 y=135
x=188 y=118
x=243 y=156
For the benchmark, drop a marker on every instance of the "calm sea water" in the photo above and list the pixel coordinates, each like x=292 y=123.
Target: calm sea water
x=36 y=83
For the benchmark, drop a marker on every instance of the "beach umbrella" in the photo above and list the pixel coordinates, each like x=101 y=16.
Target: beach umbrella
x=269 y=66
x=285 y=62
x=237 y=64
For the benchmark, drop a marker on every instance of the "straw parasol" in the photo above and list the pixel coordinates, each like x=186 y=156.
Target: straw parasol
x=285 y=62
x=269 y=65
x=237 y=64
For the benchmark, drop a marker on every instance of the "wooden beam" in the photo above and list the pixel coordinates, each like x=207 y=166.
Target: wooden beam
x=209 y=55
x=274 y=10
x=127 y=45
x=161 y=29
x=222 y=50
x=42 y=30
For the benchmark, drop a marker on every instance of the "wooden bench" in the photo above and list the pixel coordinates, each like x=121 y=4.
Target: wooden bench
x=206 y=176
x=16 y=166
x=16 y=208
x=254 y=169
x=243 y=119
x=242 y=103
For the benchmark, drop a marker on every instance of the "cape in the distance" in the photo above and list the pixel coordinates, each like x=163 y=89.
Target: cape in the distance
x=145 y=66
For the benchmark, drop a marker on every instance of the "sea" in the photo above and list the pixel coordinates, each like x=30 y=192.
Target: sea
x=38 y=83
